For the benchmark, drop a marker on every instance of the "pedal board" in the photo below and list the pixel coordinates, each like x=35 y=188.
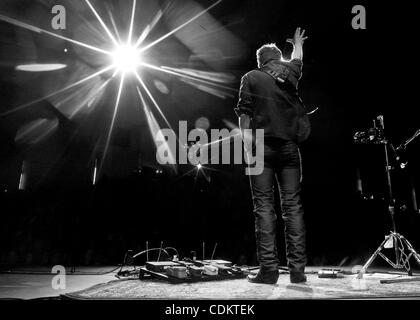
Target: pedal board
x=160 y=266
x=218 y=262
x=178 y=272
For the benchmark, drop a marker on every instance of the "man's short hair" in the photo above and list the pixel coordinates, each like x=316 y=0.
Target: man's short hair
x=268 y=52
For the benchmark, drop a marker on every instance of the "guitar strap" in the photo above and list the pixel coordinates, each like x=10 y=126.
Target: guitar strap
x=280 y=77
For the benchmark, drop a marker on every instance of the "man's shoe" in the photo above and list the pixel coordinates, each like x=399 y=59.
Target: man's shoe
x=268 y=277
x=297 y=277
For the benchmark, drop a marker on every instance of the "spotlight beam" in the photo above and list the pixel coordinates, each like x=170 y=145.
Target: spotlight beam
x=39 y=30
x=179 y=27
x=143 y=36
x=111 y=17
x=182 y=75
x=114 y=116
x=58 y=91
x=102 y=22
x=95 y=96
x=151 y=121
x=66 y=99
x=91 y=97
x=145 y=106
x=154 y=126
x=155 y=103
x=206 y=75
x=130 y=32
x=148 y=29
x=152 y=99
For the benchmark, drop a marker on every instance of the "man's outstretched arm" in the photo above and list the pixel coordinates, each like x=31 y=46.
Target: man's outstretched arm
x=244 y=110
x=244 y=125
x=297 y=42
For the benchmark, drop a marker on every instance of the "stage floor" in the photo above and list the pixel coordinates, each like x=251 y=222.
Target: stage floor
x=24 y=285
x=96 y=283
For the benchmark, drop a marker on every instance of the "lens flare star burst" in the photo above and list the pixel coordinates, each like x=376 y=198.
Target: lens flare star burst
x=126 y=58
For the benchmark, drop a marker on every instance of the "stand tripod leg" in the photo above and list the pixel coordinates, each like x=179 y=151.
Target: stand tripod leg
x=373 y=257
x=412 y=251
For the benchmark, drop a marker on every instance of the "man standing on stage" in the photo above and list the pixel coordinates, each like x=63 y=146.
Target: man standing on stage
x=269 y=100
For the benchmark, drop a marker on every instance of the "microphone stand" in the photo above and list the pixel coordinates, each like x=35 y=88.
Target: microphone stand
x=394 y=240
x=404 y=145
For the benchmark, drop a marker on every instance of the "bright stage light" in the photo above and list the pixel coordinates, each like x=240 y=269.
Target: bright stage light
x=199 y=166
x=126 y=58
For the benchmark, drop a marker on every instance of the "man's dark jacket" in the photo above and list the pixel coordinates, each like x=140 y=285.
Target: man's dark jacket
x=273 y=105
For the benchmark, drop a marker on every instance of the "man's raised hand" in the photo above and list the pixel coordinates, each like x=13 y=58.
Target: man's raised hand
x=298 y=38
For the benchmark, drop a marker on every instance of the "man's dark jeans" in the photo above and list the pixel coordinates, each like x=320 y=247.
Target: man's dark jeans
x=282 y=164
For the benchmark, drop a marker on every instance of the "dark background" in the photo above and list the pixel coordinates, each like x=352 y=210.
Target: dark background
x=351 y=75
